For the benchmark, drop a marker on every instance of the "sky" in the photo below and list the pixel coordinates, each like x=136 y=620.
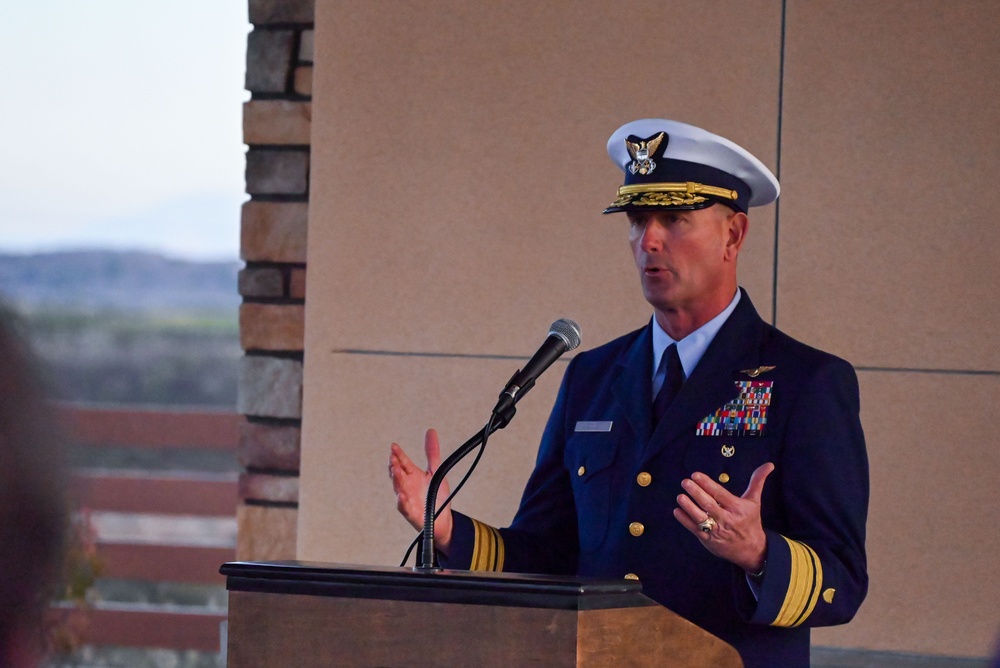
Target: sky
x=121 y=125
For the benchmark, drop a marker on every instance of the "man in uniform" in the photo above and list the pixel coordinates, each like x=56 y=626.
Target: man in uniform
x=707 y=454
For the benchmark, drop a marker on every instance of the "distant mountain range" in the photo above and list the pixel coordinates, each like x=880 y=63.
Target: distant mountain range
x=119 y=280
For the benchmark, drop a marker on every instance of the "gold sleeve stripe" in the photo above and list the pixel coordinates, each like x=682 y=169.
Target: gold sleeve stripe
x=804 y=584
x=817 y=584
x=488 y=551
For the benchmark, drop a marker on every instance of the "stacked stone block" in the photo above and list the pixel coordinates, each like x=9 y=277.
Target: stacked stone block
x=276 y=130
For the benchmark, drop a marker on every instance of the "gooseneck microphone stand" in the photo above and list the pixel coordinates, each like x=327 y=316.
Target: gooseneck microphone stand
x=563 y=335
x=498 y=420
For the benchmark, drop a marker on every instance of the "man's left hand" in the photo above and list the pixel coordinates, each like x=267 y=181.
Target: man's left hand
x=737 y=535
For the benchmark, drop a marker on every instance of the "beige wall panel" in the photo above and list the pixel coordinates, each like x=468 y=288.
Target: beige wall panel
x=932 y=536
x=350 y=514
x=890 y=151
x=458 y=175
x=459 y=164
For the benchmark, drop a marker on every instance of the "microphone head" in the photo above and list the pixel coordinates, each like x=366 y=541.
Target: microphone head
x=568 y=331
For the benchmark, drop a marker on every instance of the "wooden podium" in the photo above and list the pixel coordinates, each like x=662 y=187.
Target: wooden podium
x=304 y=614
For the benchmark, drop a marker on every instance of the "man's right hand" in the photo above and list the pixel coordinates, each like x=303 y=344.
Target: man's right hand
x=410 y=483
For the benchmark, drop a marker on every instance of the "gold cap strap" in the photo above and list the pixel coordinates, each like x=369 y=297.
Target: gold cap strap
x=670 y=194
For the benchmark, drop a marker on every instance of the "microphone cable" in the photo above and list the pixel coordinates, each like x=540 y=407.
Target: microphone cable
x=487 y=430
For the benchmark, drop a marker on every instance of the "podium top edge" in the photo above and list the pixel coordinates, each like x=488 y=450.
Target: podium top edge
x=383 y=582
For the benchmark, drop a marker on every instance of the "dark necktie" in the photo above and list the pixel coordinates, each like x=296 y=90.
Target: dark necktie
x=671 y=384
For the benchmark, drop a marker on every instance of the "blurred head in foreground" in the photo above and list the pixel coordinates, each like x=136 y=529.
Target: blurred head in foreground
x=33 y=506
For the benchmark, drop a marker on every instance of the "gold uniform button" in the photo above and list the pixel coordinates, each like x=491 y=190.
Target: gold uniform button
x=724 y=478
x=636 y=528
x=644 y=479
x=631 y=576
x=828 y=595
x=581 y=470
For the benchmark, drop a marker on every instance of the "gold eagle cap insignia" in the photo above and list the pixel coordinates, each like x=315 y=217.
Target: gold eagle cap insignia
x=641 y=152
x=753 y=373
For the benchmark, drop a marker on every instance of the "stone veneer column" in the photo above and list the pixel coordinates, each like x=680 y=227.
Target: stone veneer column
x=276 y=129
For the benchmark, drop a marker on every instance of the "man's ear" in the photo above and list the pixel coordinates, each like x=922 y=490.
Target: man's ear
x=737 y=226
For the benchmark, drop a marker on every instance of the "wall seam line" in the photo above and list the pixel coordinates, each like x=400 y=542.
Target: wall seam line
x=777 y=166
x=404 y=353
x=943 y=372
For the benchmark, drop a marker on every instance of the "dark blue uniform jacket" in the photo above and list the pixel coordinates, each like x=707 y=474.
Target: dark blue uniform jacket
x=756 y=396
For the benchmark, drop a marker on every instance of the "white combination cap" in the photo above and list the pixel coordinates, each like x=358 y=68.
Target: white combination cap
x=669 y=164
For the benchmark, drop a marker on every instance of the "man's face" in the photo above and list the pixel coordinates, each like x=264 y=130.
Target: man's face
x=686 y=260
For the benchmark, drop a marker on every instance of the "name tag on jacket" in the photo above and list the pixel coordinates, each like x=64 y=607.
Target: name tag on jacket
x=583 y=425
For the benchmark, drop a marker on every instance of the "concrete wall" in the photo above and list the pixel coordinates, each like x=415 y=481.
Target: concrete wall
x=458 y=174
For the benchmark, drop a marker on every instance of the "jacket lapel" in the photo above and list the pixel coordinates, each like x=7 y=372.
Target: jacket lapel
x=735 y=347
x=633 y=387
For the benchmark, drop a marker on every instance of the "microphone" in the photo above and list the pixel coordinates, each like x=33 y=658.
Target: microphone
x=564 y=335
